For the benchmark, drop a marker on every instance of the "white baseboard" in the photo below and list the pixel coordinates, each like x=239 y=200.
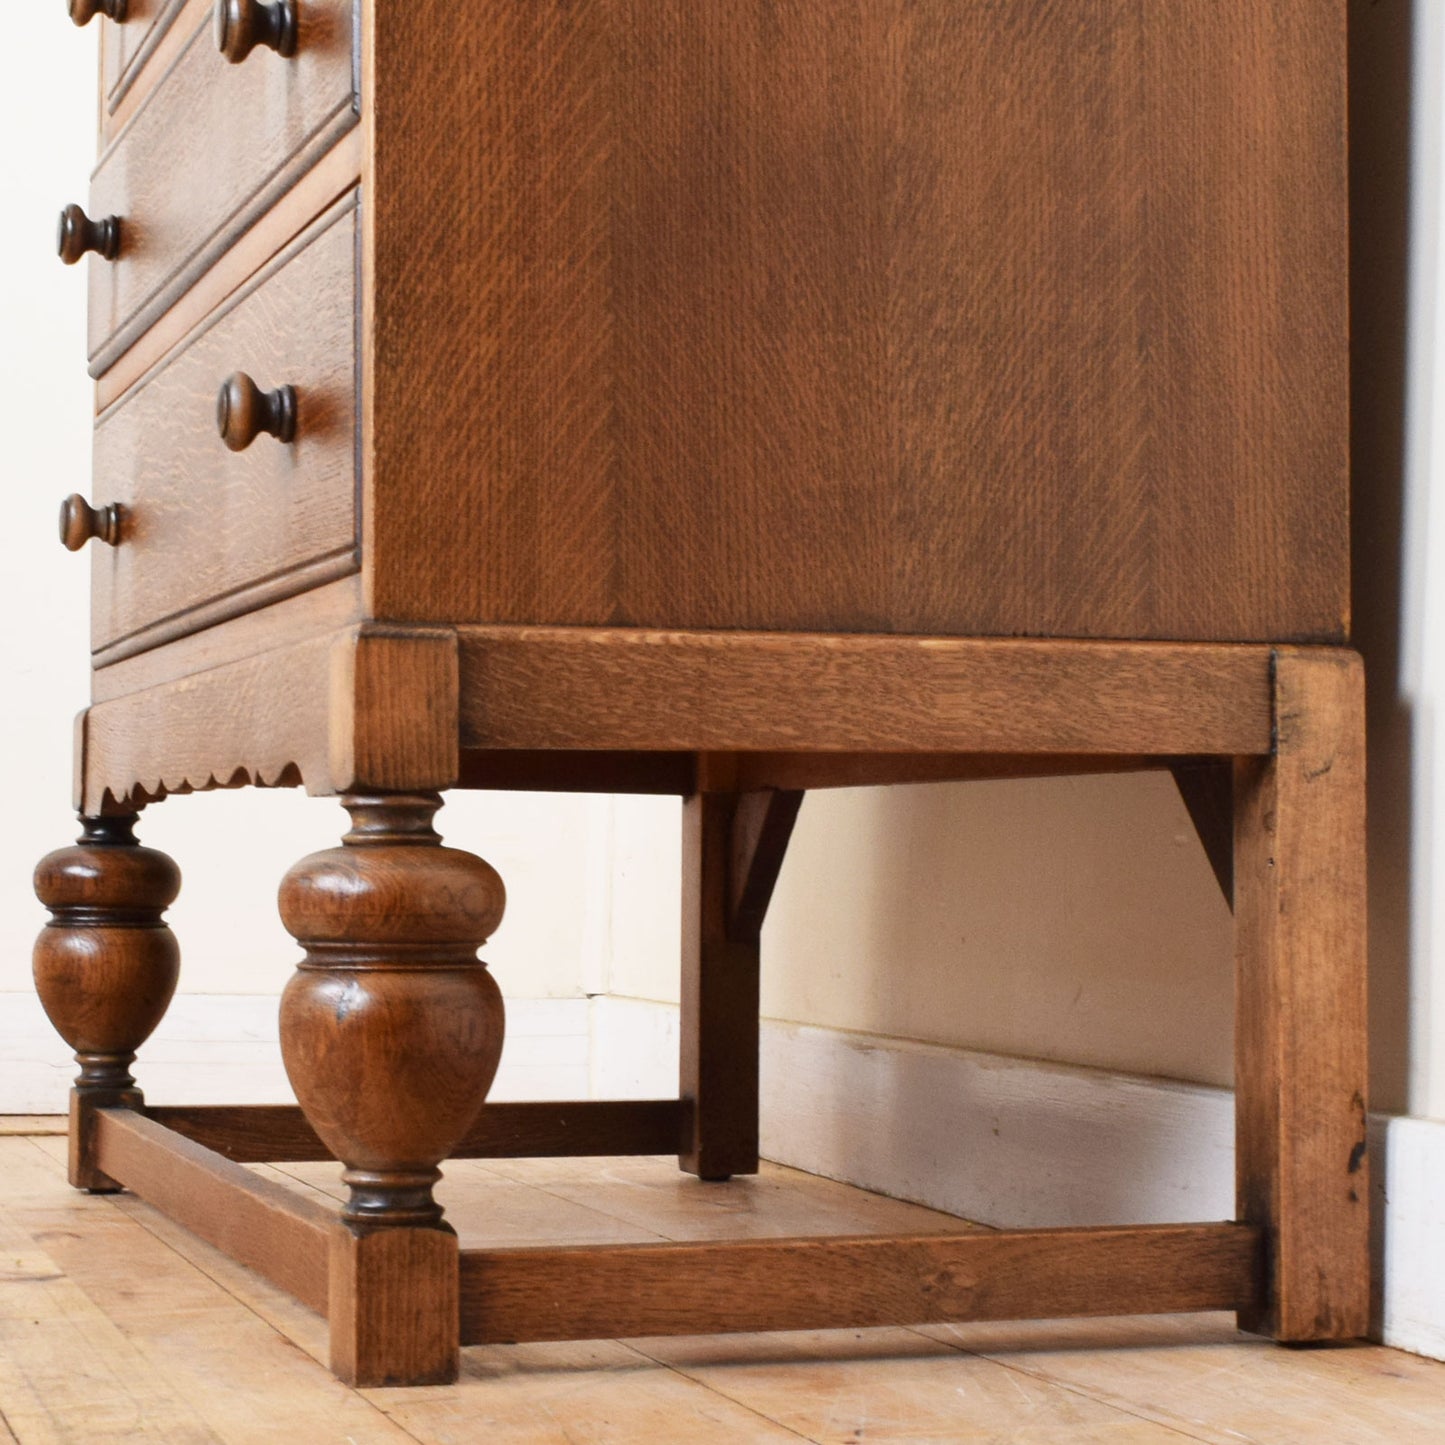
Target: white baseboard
x=1408 y=1177
x=1030 y=1144
x=997 y=1140
x=223 y=1049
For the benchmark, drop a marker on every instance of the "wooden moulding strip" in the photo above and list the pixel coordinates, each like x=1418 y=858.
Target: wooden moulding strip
x=281 y=1235
x=609 y=1291
x=550 y=687
x=280 y=1134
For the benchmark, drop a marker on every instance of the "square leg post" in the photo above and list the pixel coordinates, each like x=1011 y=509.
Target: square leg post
x=732 y=850
x=1300 y=1025
x=719 y=1042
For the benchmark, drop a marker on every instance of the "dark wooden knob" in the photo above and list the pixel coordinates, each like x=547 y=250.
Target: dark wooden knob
x=79 y=522
x=242 y=25
x=82 y=12
x=244 y=411
x=77 y=234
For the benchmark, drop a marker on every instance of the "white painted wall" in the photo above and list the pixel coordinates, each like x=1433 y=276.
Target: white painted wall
x=1072 y=919
x=1421 y=678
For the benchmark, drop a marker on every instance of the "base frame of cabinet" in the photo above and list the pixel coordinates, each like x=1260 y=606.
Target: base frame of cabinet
x=1267 y=743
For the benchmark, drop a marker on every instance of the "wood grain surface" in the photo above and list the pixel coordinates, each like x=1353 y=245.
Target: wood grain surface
x=621 y=688
x=718 y=994
x=210 y=149
x=394 y=1313
x=117 y=1316
x=324 y=712
x=279 y=1234
x=125 y=49
x=274 y=1133
x=327 y=608
x=602 y=1291
x=203 y=525
x=1300 y=1003
x=337 y=172
x=924 y=317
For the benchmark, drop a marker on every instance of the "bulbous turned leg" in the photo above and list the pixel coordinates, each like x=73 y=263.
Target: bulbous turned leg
x=391 y=1031
x=106 y=966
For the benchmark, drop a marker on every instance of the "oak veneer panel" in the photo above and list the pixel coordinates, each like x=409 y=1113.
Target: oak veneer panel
x=212 y=146
x=916 y=315
x=626 y=688
x=1301 y=1003
x=605 y=1291
x=209 y=528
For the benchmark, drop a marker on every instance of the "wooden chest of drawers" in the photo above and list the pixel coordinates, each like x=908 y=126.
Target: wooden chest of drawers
x=721 y=400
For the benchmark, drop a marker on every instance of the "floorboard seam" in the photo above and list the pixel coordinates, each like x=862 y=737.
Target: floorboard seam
x=1044 y=1378
x=721 y=1394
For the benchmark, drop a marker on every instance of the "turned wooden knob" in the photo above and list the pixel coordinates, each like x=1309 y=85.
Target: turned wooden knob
x=82 y=12
x=79 y=522
x=77 y=234
x=242 y=25
x=244 y=411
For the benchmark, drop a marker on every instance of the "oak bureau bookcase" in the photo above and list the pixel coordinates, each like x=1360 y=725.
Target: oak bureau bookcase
x=726 y=400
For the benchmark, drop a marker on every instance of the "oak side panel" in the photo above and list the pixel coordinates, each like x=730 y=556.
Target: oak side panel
x=1300 y=1030
x=910 y=316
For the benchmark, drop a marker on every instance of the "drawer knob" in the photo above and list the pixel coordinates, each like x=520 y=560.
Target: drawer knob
x=77 y=234
x=82 y=12
x=79 y=522
x=244 y=411
x=242 y=25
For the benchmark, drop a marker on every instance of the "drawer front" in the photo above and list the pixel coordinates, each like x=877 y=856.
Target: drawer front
x=211 y=147
x=209 y=533
x=125 y=48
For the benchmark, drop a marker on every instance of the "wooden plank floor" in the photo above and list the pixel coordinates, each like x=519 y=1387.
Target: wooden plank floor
x=117 y=1326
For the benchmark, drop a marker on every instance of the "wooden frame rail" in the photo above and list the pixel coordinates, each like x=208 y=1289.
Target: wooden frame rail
x=279 y=1133
x=1267 y=746
x=591 y=1291
x=280 y=1234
